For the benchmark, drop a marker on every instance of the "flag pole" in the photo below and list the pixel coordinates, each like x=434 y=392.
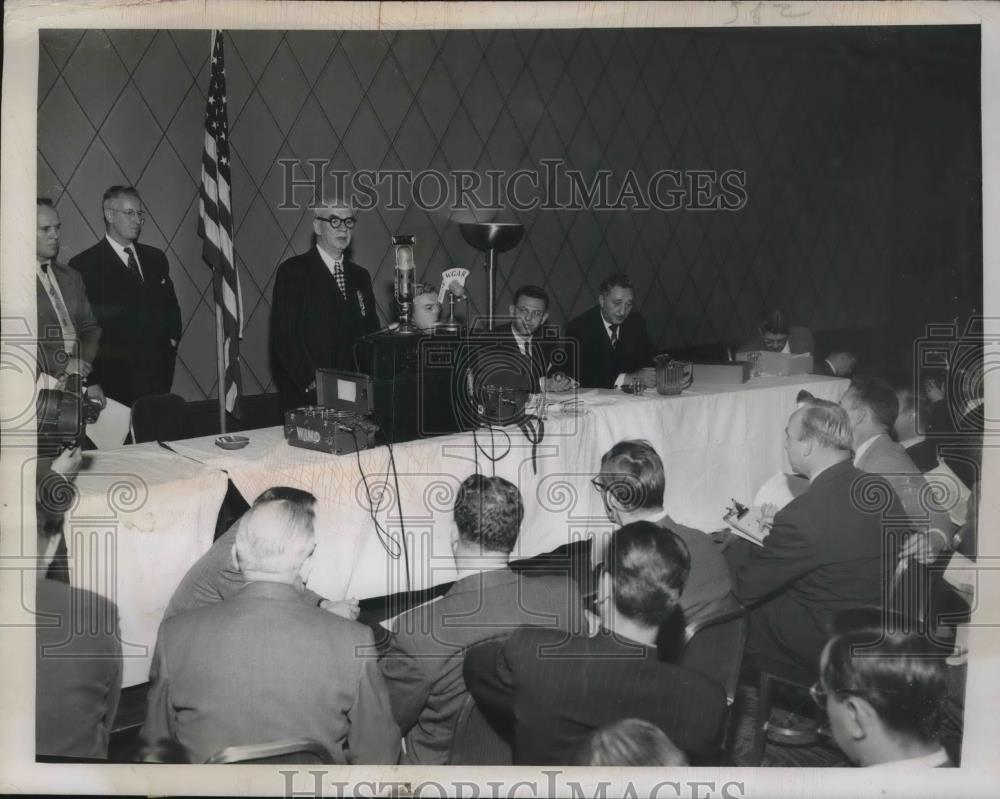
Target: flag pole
x=219 y=333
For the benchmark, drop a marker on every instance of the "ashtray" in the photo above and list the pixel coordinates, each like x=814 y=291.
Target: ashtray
x=232 y=442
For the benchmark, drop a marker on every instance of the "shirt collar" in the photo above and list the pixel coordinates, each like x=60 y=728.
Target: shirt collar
x=863 y=448
x=519 y=338
x=329 y=260
x=120 y=249
x=933 y=760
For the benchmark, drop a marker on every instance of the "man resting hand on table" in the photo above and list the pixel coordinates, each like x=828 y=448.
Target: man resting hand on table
x=216 y=576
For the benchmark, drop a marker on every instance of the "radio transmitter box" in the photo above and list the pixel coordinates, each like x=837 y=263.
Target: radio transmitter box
x=329 y=430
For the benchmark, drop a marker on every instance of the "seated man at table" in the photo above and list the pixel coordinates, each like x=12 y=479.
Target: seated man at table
x=632 y=483
x=824 y=552
x=264 y=666
x=422 y=663
x=884 y=693
x=78 y=655
x=558 y=690
x=776 y=334
x=613 y=344
x=217 y=576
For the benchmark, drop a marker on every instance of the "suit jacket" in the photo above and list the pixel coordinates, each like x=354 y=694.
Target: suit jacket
x=51 y=351
x=596 y=363
x=215 y=578
x=422 y=663
x=558 y=690
x=887 y=458
x=78 y=671
x=138 y=318
x=264 y=666
x=824 y=554
x=707 y=592
x=501 y=350
x=800 y=340
x=313 y=326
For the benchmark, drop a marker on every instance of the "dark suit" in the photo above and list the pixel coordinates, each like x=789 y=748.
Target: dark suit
x=51 y=352
x=313 y=326
x=800 y=340
x=500 y=350
x=264 y=666
x=139 y=318
x=78 y=671
x=422 y=663
x=596 y=363
x=824 y=554
x=215 y=578
x=558 y=696
x=707 y=591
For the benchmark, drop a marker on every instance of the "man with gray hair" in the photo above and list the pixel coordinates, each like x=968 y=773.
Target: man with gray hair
x=824 y=553
x=322 y=304
x=264 y=666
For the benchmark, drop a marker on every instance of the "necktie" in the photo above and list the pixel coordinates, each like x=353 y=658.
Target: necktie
x=133 y=264
x=338 y=275
x=66 y=326
x=614 y=335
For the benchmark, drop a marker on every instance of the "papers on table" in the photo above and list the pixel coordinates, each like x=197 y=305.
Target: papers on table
x=111 y=427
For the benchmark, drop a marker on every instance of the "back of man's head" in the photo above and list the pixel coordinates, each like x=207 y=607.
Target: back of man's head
x=488 y=513
x=633 y=475
x=629 y=742
x=826 y=424
x=275 y=537
x=875 y=657
x=648 y=566
x=296 y=496
x=617 y=280
x=877 y=397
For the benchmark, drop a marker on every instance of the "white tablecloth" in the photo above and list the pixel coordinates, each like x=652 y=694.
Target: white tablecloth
x=717 y=443
x=144 y=516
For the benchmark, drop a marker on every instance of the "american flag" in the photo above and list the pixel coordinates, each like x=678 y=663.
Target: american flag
x=215 y=226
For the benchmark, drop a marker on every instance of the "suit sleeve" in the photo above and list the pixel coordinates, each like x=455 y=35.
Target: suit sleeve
x=371 y=308
x=490 y=679
x=89 y=330
x=159 y=721
x=172 y=306
x=407 y=683
x=787 y=554
x=373 y=737
x=643 y=353
x=286 y=307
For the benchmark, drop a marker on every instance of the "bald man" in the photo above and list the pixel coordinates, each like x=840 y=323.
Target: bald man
x=322 y=304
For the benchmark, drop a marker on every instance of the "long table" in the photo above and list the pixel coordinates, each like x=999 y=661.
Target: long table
x=717 y=443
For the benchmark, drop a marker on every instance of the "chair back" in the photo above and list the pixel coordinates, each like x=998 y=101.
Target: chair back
x=714 y=647
x=476 y=741
x=301 y=751
x=160 y=417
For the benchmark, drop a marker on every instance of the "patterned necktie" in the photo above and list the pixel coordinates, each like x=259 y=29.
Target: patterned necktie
x=66 y=326
x=338 y=275
x=133 y=264
x=614 y=335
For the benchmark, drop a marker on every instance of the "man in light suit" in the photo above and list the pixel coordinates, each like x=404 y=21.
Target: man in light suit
x=322 y=304
x=133 y=297
x=557 y=689
x=422 y=663
x=825 y=551
x=68 y=331
x=264 y=666
x=613 y=344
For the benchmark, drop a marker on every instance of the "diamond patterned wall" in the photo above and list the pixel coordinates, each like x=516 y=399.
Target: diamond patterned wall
x=807 y=115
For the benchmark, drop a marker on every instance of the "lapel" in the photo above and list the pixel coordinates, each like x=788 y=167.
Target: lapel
x=121 y=273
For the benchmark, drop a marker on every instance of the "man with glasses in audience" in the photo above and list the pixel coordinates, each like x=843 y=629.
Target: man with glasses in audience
x=322 y=304
x=133 y=298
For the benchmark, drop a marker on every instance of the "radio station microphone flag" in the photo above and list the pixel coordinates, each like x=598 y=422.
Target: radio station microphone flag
x=215 y=226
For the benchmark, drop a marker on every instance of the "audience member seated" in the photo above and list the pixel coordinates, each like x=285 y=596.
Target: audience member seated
x=557 y=690
x=956 y=419
x=78 y=656
x=824 y=552
x=217 y=576
x=884 y=693
x=263 y=665
x=872 y=407
x=632 y=483
x=629 y=742
x=613 y=345
x=909 y=429
x=422 y=663
x=777 y=334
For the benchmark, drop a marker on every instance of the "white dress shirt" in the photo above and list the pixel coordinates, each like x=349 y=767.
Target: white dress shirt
x=120 y=249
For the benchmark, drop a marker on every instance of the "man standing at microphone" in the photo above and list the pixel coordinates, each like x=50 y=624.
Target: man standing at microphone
x=322 y=304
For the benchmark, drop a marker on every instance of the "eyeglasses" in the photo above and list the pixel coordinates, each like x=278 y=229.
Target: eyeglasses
x=818 y=694
x=336 y=221
x=131 y=213
x=528 y=313
x=598 y=485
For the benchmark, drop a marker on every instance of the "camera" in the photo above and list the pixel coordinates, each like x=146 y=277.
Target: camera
x=64 y=413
